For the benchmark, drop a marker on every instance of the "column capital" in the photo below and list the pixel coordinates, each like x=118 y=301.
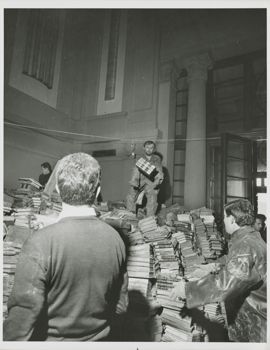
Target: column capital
x=168 y=71
x=197 y=66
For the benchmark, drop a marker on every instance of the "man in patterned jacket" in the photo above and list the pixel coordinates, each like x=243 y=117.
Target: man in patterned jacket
x=140 y=182
x=240 y=283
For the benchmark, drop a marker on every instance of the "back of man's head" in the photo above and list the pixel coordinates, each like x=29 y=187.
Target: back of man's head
x=241 y=210
x=77 y=178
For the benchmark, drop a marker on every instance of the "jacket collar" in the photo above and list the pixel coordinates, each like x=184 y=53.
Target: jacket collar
x=241 y=232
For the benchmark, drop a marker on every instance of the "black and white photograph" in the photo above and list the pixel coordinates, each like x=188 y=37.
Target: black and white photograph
x=134 y=176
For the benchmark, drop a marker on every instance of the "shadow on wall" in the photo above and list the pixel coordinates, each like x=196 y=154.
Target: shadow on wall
x=165 y=190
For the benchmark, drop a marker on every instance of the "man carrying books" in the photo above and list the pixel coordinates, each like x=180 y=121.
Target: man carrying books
x=241 y=280
x=71 y=280
x=146 y=177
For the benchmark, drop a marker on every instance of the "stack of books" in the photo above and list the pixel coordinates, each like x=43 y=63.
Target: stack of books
x=148 y=225
x=184 y=218
x=156 y=328
x=56 y=207
x=7 y=209
x=143 y=285
x=208 y=220
x=172 y=334
x=205 y=248
x=122 y=218
x=168 y=264
x=177 y=328
x=140 y=262
x=207 y=238
x=214 y=312
x=216 y=245
x=202 y=242
x=151 y=231
x=23 y=216
x=199 y=227
x=11 y=251
x=28 y=185
x=164 y=286
x=21 y=201
x=161 y=233
x=189 y=257
x=201 y=212
x=135 y=237
x=35 y=202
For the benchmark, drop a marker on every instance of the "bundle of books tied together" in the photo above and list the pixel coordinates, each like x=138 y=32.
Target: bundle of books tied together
x=214 y=312
x=28 y=185
x=187 y=254
x=11 y=252
x=24 y=216
x=135 y=237
x=208 y=239
x=167 y=261
x=176 y=327
x=140 y=262
x=35 y=203
x=146 y=168
x=151 y=231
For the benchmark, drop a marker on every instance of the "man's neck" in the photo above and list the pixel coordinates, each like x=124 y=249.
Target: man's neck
x=76 y=210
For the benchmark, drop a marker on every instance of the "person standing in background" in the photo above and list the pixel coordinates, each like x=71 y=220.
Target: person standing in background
x=260 y=226
x=140 y=182
x=46 y=173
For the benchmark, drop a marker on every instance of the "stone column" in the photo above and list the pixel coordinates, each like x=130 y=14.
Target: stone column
x=195 y=163
x=168 y=75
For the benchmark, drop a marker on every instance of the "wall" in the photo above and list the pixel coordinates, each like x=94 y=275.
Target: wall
x=77 y=101
x=153 y=37
x=25 y=151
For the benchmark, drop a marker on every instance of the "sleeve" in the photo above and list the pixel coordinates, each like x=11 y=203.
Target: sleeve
x=237 y=276
x=159 y=176
x=27 y=296
x=135 y=177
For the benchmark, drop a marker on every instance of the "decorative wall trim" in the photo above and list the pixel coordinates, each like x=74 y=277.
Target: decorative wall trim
x=25 y=83
x=197 y=67
x=168 y=71
x=112 y=68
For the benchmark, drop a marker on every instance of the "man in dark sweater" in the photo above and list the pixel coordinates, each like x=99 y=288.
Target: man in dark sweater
x=71 y=280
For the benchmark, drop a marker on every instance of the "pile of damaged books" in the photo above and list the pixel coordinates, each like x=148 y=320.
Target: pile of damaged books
x=28 y=185
x=11 y=252
x=167 y=261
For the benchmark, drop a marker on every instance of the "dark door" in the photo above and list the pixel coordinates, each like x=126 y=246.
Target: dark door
x=237 y=168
